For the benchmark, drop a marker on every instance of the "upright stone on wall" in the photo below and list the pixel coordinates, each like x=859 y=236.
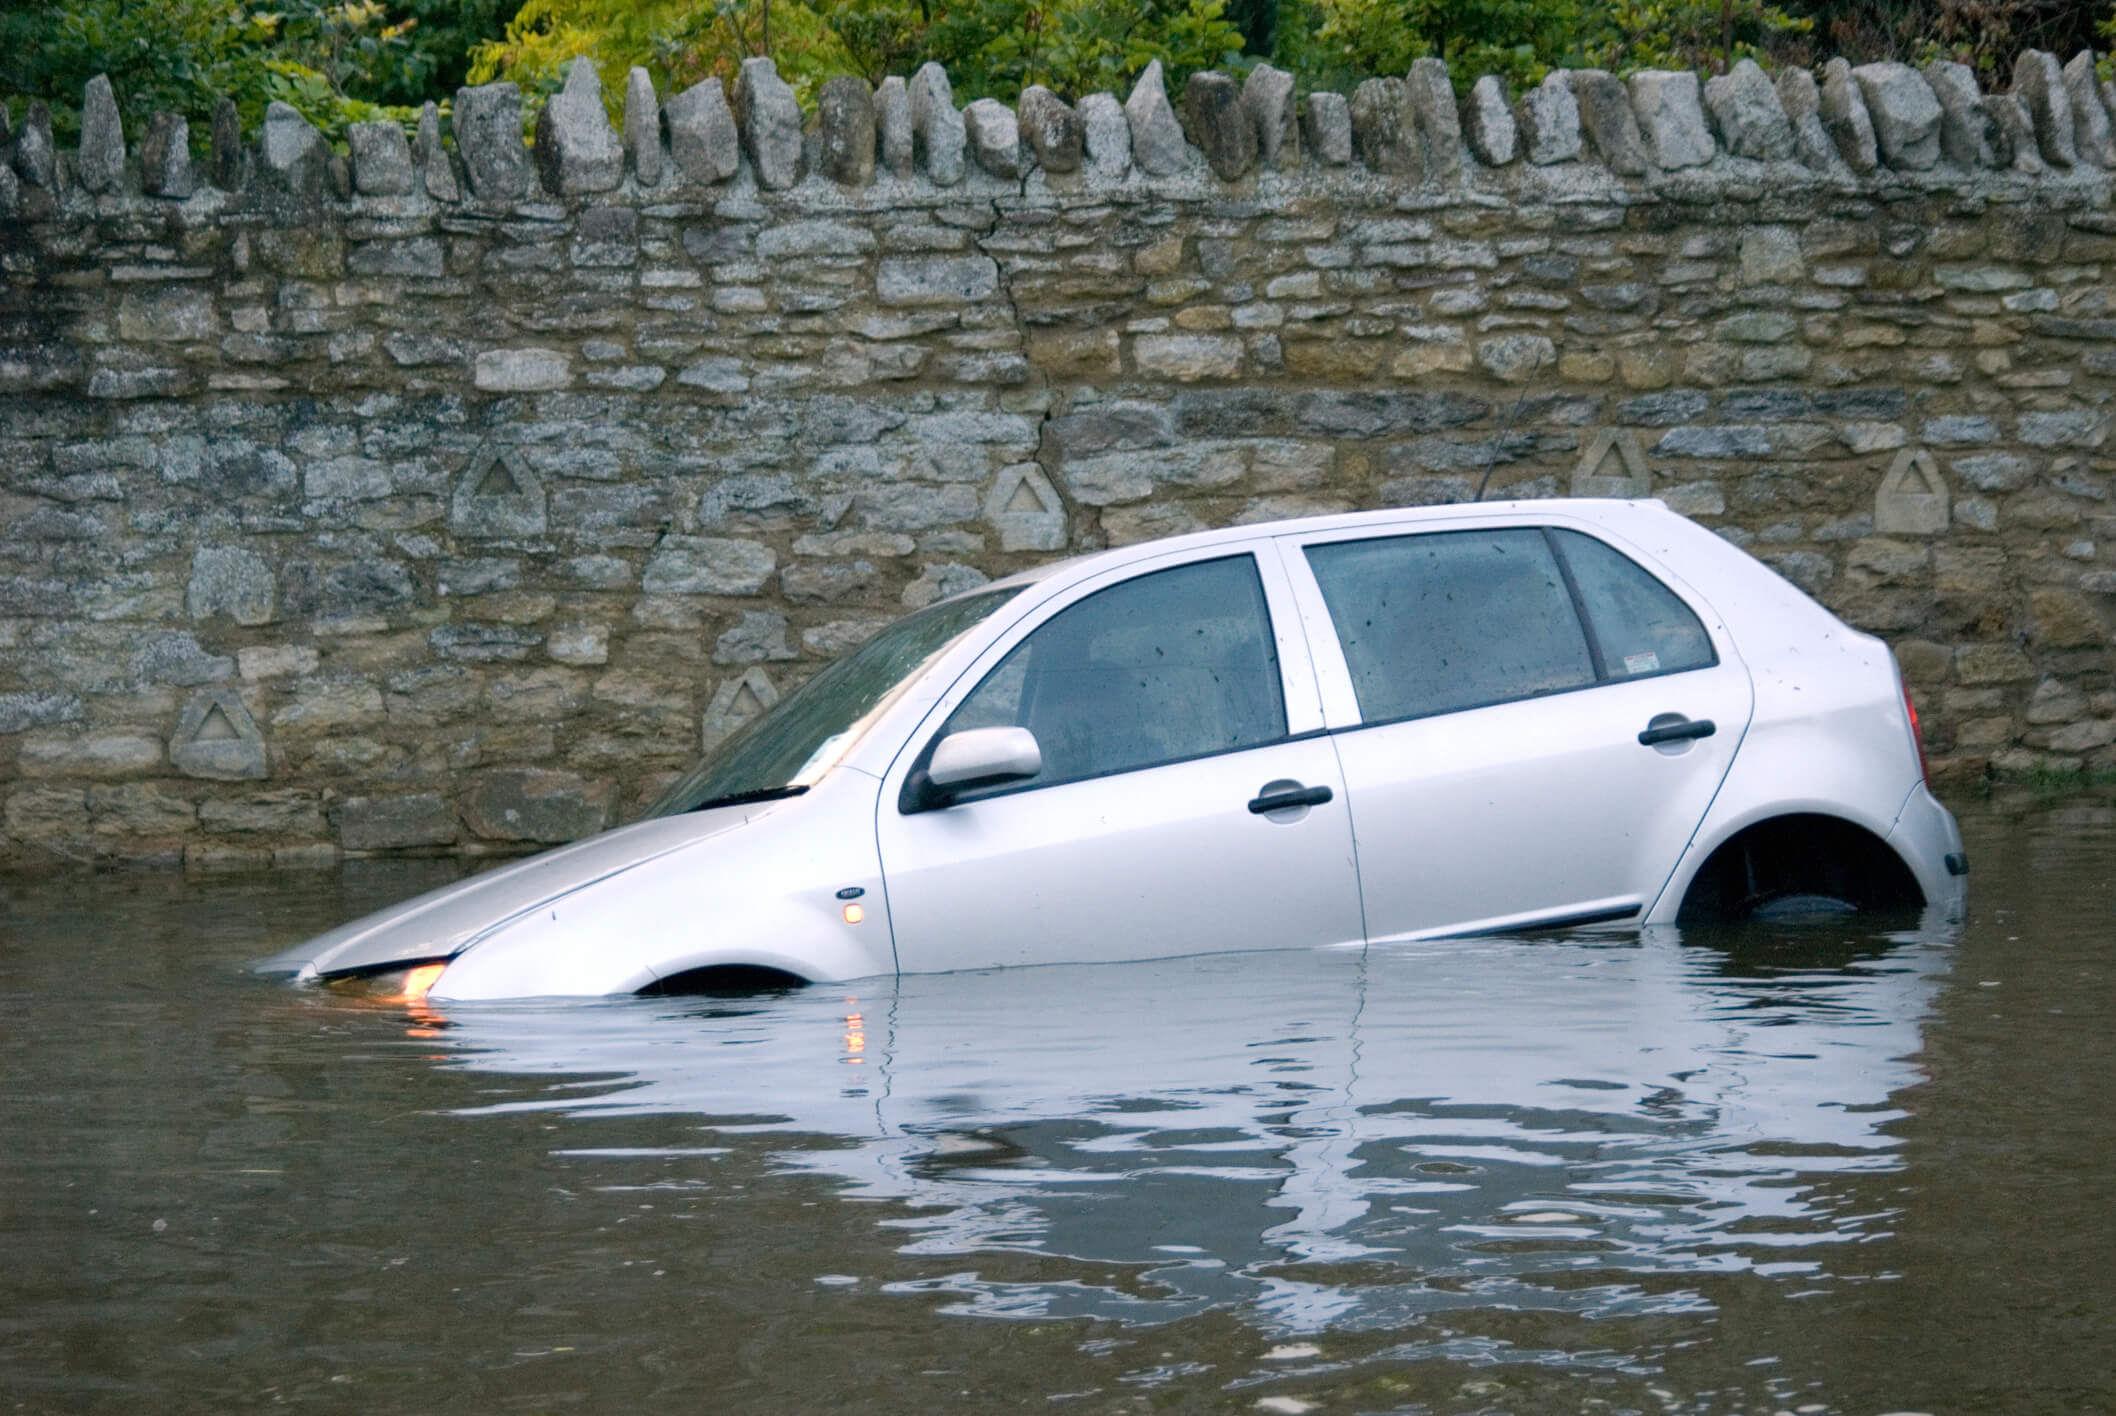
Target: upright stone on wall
x=226 y=138
x=1844 y=114
x=381 y=159
x=2090 y=116
x=1326 y=128
x=2039 y=84
x=1672 y=119
x=1964 y=125
x=1052 y=129
x=769 y=118
x=99 y=164
x=846 y=131
x=1489 y=123
x=1812 y=141
x=1748 y=113
x=642 y=130
x=993 y=136
x=488 y=128
x=1105 y=135
x=1274 y=115
x=2012 y=134
x=702 y=139
x=1382 y=130
x=1217 y=124
x=1157 y=146
x=936 y=127
x=1549 y=118
x=1906 y=115
x=1607 y=119
x=576 y=150
x=436 y=168
x=1432 y=96
x=892 y=121
x=36 y=159
x=165 y=158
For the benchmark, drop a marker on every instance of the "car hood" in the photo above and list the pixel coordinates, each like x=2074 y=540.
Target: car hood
x=443 y=922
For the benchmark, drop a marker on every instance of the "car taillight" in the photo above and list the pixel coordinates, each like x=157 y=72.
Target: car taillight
x=1917 y=737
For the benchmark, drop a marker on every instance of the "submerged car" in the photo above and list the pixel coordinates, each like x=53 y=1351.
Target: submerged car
x=1341 y=731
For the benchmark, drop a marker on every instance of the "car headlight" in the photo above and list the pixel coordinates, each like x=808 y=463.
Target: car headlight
x=405 y=984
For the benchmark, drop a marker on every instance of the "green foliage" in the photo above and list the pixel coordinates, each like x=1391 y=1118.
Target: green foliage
x=1077 y=47
x=1688 y=34
x=338 y=63
x=1335 y=43
x=678 y=41
x=989 y=47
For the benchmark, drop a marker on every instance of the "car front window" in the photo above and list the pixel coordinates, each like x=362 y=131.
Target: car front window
x=1170 y=665
x=788 y=747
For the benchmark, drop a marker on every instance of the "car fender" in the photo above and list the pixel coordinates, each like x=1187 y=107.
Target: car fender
x=767 y=894
x=1847 y=764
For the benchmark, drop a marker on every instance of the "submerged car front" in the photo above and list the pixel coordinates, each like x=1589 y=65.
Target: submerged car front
x=762 y=857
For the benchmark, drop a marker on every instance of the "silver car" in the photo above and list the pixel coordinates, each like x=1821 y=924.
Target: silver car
x=1336 y=732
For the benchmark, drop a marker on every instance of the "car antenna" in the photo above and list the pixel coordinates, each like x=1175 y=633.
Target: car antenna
x=1500 y=437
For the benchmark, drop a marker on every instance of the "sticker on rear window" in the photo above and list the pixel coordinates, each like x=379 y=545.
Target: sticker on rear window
x=1641 y=663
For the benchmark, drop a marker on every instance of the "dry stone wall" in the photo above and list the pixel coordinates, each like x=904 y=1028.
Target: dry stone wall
x=447 y=493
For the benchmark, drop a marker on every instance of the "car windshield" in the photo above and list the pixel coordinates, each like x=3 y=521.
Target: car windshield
x=785 y=749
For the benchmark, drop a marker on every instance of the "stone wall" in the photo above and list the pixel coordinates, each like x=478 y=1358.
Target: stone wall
x=445 y=493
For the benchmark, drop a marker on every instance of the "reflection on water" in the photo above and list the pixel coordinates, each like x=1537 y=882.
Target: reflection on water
x=1315 y=1140
x=1752 y=1173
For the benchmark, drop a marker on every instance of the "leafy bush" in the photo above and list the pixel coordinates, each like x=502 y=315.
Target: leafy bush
x=338 y=63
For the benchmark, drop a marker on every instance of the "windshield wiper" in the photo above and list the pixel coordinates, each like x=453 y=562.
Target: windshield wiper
x=745 y=798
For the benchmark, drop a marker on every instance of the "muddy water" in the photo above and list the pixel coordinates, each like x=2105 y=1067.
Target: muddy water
x=1811 y=1169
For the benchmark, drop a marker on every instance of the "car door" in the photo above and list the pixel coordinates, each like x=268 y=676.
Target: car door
x=1188 y=800
x=1530 y=723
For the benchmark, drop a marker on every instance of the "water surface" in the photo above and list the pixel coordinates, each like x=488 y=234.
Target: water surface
x=1819 y=1168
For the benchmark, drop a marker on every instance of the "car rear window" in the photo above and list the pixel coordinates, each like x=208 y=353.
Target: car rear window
x=1453 y=620
x=1445 y=621
x=1642 y=627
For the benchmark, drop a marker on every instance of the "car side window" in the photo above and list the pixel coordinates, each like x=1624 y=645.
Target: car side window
x=1450 y=620
x=1641 y=626
x=1174 y=664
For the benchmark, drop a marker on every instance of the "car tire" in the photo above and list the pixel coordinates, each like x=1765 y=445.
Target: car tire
x=1802 y=909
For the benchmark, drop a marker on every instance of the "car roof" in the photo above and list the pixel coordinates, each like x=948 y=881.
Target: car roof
x=1618 y=515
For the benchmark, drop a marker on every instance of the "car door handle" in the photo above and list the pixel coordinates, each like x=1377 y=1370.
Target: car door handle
x=1676 y=729
x=1286 y=797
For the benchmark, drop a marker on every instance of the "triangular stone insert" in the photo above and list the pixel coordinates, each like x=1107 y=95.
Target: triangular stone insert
x=1913 y=499
x=1612 y=466
x=498 y=495
x=216 y=727
x=735 y=702
x=217 y=738
x=1026 y=510
x=498 y=480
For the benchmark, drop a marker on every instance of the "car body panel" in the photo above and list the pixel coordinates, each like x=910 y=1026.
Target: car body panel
x=1149 y=864
x=1154 y=862
x=765 y=893
x=1531 y=813
x=443 y=921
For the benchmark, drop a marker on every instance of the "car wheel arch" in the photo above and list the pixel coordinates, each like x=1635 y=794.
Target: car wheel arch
x=1800 y=850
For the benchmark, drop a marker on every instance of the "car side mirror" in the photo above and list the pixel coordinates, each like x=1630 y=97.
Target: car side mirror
x=975 y=757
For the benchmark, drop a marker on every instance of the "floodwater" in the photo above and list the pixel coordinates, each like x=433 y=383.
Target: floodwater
x=1809 y=1169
